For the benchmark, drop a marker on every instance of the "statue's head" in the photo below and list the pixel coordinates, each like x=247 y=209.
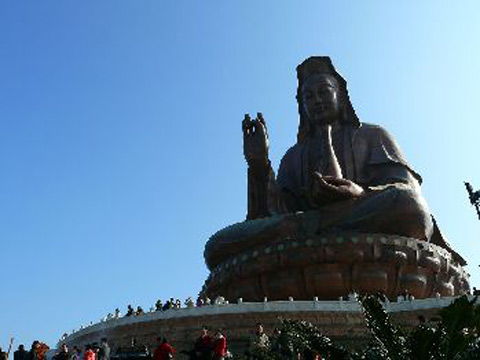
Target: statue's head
x=322 y=96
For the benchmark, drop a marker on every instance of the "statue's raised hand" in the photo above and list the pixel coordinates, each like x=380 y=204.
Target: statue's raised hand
x=255 y=140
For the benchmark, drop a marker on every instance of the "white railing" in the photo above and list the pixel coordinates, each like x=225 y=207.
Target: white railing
x=240 y=307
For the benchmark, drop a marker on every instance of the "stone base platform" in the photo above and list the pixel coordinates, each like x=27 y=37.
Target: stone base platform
x=326 y=266
x=343 y=321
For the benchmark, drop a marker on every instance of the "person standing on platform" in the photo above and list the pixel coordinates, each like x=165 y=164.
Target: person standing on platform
x=3 y=354
x=63 y=354
x=33 y=354
x=76 y=354
x=260 y=340
x=104 y=351
x=219 y=346
x=164 y=351
x=21 y=353
x=89 y=354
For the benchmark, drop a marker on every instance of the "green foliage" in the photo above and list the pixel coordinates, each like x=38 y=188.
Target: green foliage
x=390 y=339
x=301 y=337
x=456 y=336
x=424 y=343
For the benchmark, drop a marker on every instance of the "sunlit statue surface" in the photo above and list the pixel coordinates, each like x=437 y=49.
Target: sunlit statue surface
x=341 y=177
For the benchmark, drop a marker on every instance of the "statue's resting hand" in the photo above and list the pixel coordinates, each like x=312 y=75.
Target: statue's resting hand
x=328 y=189
x=255 y=141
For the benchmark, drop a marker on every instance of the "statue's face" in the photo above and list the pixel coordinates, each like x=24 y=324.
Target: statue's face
x=320 y=99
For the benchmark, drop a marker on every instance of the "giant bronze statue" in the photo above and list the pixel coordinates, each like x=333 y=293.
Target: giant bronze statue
x=345 y=212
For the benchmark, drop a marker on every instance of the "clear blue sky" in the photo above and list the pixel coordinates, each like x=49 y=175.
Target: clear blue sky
x=120 y=141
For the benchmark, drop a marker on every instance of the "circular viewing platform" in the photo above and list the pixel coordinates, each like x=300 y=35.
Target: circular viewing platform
x=342 y=320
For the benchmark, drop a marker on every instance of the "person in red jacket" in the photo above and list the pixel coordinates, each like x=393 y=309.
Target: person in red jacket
x=164 y=351
x=89 y=354
x=219 y=346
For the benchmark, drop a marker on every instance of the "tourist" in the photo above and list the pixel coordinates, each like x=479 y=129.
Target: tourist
x=89 y=354
x=130 y=311
x=204 y=345
x=169 y=304
x=104 y=350
x=117 y=313
x=219 y=345
x=166 y=306
x=189 y=303
x=159 y=305
x=33 y=354
x=95 y=349
x=3 y=355
x=164 y=351
x=199 y=302
x=76 y=354
x=63 y=354
x=42 y=351
x=21 y=353
x=139 y=311
x=178 y=304
x=260 y=340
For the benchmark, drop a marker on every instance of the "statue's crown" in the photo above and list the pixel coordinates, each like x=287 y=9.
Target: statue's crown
x=315 y=65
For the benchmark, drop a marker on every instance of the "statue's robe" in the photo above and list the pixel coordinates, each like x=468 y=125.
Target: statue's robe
x=369 y=156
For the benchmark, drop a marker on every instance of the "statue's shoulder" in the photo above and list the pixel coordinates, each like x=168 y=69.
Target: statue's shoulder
x=372 y=130
x=291 y=161
x=372 y=133
x=292 y=152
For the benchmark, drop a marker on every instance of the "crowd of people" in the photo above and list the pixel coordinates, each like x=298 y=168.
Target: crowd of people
x=93 y=351
x=41 y=351
x=38 y=351
x=206 y=347
x=209 y=347
x=214 y=347
x=159 y=306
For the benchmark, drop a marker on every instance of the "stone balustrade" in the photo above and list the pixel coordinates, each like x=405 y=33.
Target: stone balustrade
x=242 y=307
